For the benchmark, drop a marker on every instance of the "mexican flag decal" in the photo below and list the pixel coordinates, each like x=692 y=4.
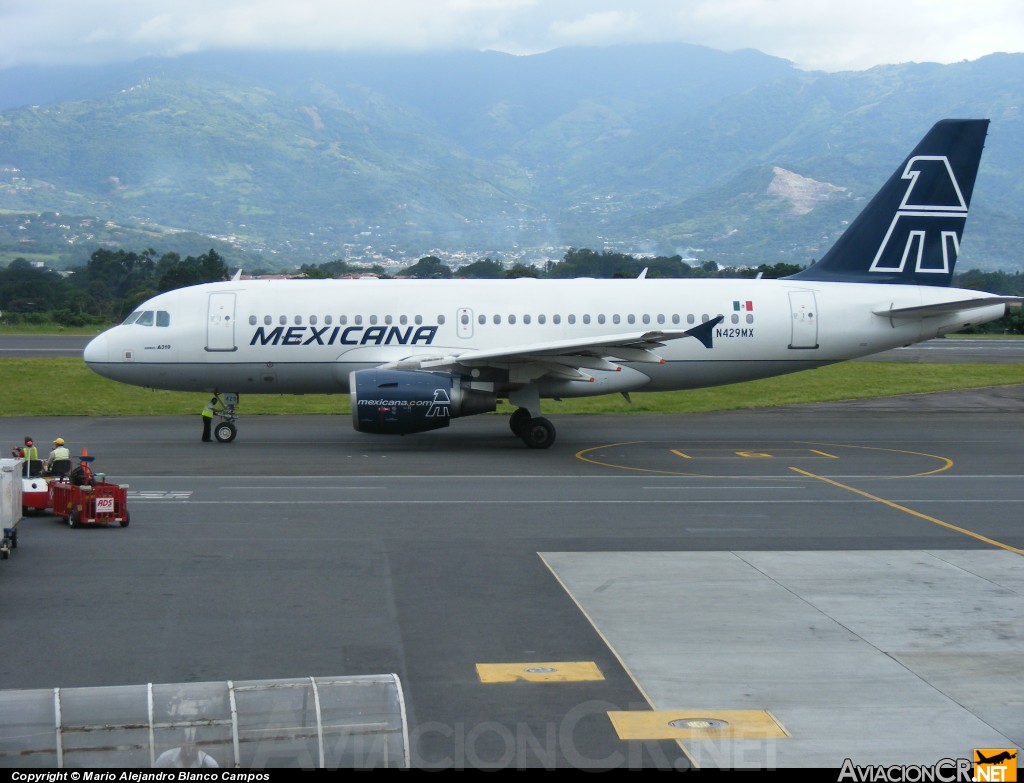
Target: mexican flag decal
x=747 y=306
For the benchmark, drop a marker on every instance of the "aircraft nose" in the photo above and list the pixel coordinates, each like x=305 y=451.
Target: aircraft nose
x=97 y=350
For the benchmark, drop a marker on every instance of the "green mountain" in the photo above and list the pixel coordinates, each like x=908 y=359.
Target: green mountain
x=294 y=158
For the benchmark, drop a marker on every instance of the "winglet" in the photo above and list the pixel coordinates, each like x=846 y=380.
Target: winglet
x=703 y=331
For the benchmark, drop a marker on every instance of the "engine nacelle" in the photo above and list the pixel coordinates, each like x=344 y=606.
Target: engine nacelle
x=399 y=402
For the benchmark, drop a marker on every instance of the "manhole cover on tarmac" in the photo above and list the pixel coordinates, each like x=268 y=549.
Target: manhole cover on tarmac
x=698 y=723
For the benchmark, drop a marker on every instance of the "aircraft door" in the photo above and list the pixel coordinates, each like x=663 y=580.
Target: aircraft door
x=464 y=320
x=220 y=323
x=804 y=311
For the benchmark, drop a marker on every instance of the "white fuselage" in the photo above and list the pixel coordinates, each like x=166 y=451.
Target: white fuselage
x=307 y=336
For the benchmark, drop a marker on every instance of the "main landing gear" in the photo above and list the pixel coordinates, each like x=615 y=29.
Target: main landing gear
x=535 y=431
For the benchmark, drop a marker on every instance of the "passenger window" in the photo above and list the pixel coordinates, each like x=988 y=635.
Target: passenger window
x=526 y=319
x=497 y=319
x=541 y=319
x=373 y=320
x=418 y=320
x=342 y=319
x=358 y=320
x=572 y=319
x=403 y=319
x=267 y=320
x=440 y=319
x=283 y=320
x=312 y=320
x=298 y=320
x=616 y=318
x=690 y=318
x=661 y=318
x=252 y=320
x=388 y=320
x=646 y=318
x=600 y=318
x=511 y=319
x=328 y=319
x=586 y=318
x=481 y=319
x=556 y=319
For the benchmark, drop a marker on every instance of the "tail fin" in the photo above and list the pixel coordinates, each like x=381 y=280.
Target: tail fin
x=910 y=231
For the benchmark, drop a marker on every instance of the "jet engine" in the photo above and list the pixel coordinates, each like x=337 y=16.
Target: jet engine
x=399 y=402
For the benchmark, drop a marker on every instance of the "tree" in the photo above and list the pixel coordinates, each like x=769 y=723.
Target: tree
x=771 y=271
x=482 y=270
x=428 y=268
x=520 y=270
x=27 y=289
x=208 y=268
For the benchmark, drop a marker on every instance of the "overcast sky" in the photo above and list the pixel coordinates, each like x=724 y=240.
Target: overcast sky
x=831 y=35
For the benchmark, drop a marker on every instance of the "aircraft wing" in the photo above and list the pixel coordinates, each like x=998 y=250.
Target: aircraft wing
x=567 y=358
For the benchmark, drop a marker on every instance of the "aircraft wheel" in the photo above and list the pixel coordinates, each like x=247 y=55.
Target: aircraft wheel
x=539 y=433
x=518 y=420
x=225 y=432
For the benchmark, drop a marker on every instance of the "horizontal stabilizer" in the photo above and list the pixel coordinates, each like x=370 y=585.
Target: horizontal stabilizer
x=923 y=311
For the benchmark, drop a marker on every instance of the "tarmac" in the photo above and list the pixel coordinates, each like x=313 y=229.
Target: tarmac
x=782 y=588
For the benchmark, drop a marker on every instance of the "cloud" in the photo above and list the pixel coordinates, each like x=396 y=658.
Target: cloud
x=814 y=34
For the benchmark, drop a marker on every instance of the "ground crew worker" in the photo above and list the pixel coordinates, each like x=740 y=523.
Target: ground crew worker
x=28 y=451
x=59 y=452
x=82 y=474
x=208 y=411
x=30 y=454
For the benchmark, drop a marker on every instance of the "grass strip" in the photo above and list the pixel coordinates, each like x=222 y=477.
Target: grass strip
x=66 y=387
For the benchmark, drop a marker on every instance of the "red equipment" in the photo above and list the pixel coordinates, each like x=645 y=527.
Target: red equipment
x=100 y=504
x=35 y=494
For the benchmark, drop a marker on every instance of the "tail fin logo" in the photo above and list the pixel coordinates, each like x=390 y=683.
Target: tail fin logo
x=927 y=226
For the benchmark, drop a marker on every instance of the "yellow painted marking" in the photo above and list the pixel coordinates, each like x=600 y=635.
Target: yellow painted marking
x=911 y=511
x=582 y=455
x=947 y=463
x=755 y=454
x=824 y=454
x=657 y=725
x=545 y=671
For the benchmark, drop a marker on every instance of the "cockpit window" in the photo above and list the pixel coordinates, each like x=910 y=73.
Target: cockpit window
x=131 y=318
x=145 y=319
x=163 y=318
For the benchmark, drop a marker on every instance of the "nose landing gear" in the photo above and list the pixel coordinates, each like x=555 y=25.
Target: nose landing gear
x=225 y=430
